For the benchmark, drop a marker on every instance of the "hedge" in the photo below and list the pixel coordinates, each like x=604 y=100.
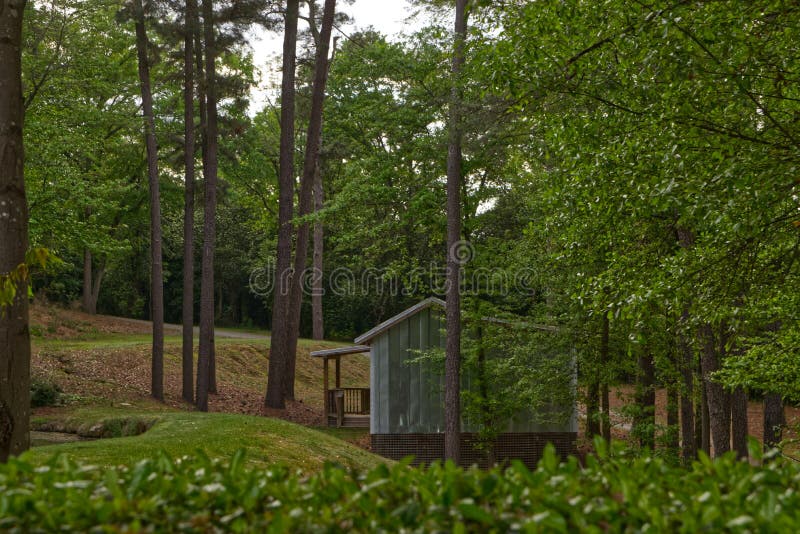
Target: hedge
x=612 y=492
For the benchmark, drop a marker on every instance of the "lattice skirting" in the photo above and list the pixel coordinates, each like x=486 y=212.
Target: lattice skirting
x=524 y=446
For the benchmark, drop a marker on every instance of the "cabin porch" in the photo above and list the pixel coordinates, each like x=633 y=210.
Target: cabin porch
x=344 y=406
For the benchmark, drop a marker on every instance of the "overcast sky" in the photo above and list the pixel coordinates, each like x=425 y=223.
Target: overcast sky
x=390 y=17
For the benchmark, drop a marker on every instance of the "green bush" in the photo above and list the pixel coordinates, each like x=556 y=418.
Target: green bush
x=44 y=393
x=611 y=493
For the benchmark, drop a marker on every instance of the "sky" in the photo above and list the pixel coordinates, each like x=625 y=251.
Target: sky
x=390 y=17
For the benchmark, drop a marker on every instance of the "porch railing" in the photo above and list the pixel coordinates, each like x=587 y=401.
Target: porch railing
x=349 y=400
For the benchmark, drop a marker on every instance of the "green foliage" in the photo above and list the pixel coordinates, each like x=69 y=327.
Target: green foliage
x=44 y=393
x=612 y=493
x=771 y=366
x=35 y=258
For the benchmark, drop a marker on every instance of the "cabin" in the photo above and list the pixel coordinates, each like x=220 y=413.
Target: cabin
x=404 y=405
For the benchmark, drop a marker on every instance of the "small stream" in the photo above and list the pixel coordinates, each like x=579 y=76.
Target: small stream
x=39 y=438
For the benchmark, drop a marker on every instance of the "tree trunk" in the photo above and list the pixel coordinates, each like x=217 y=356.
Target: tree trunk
x=86 y=301
x=705 y=424
x=718 y=403
x=773 y=420
x=317 y=321
x=593 y=405
x=206 y=349
x=92 y=279
x=187 y=360
x=212 y=368
x=156 y=278
x=15 y=346
x=644 y=422
x=739 y=422
x=313 y=141
x=689 y=434
x=452 y=373
x=605 y=406
x=276 y=377
x=673 y=431
x=687 y=366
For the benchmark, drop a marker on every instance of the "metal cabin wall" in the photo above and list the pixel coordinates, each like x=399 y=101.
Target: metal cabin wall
x=409 y=398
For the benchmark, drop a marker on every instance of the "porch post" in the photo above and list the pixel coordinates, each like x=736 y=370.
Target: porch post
x=338 y=372
x=325 y=387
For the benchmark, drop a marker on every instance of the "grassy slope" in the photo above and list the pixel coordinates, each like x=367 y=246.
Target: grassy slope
x=103 y=366
x=266 y=440
x=98 y=359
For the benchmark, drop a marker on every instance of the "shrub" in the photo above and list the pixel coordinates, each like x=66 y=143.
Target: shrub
x=44 y=393
x=611 y=493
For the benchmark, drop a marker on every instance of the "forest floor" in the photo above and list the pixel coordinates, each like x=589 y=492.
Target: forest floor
x=103 y=361
x=622 y=397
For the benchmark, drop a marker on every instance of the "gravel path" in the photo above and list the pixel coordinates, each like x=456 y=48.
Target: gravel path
x=218 y=332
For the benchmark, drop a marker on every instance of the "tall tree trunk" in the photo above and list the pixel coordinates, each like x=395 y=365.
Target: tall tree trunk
x=773 y=420
x=644 y=423
x=92 y=279
x=673 y=432
x=718 y=404
x=739 y=422
x=206 y=349
x=705 y=418
x=187 y=360
x=15 y=346
x=593 y=403
x=156 y=277
x=86 y=300
x=203 y=112
x=317 y=320
x=687 y=365
x=311 y=161
x=276 y=377
x=605 y=406
x=452 y=373
x=689 y=442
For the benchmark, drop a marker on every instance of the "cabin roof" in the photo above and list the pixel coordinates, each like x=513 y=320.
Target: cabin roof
x=366 y=337
x=340 y=351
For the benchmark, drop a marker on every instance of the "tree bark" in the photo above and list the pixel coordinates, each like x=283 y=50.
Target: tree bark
x=774 y=420
x=673 y=432
x=276 y=377
x=317 y=320
x=15 y=347
x=452 y=373
x=605 y=405
x=718 y=403
x=156 y=277
x=705 y=423
x=739 y=422
x=92 y=279
x=644 y=422
x=313 y=141
x=187 y=360
x=86 y=302
x=206 y=349
x=687 y=365
x=593 y=405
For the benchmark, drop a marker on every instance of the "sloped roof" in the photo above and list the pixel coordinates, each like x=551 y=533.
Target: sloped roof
x=340 y=351
x=366 y=337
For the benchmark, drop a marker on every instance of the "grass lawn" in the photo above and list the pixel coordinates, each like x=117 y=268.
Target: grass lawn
x=266 y=440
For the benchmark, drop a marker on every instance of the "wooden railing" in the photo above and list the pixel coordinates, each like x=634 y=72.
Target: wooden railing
x=349 y=400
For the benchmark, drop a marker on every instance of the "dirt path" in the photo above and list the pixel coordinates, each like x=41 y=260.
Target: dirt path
x=177 y=329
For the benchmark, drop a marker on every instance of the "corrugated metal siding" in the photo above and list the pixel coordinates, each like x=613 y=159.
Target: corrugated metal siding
x=409 y=398
x=415 y=377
